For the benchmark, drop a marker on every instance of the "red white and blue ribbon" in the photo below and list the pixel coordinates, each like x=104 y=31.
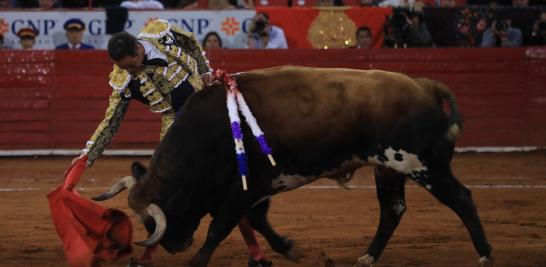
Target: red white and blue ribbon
x=235 y=102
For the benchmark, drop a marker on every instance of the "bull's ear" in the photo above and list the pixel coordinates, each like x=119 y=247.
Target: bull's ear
x=138 y=170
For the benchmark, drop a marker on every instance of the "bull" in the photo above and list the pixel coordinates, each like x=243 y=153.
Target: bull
x=319 y=123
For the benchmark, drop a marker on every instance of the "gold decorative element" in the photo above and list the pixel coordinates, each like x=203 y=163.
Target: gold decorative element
x=117 y=107
x=193 y=48
x=155 y=29
x=166 y=121
x=332 y=28
x=119 y=78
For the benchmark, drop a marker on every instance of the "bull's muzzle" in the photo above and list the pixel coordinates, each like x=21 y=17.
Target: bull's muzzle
x=160 y=225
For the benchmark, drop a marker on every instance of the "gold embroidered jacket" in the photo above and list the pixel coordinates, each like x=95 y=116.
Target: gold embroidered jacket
x=185 y=62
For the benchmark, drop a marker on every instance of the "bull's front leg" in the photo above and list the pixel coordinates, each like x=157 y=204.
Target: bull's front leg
x=234 y=206
x=219 y=229
x=257 y=217
x=147 y=258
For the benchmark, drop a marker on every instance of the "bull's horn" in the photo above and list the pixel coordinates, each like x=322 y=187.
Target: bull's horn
x=160 y=226
x=125 y=182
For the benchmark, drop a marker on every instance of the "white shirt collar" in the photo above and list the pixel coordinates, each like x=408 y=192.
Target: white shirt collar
x=151 y=51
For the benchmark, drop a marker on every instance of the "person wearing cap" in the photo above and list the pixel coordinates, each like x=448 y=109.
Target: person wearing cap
x=27 y=38
x=74 y=34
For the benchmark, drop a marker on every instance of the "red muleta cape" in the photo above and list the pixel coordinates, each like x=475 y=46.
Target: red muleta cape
x=87 y=230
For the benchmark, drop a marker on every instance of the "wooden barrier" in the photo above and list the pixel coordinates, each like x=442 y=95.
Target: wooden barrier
x=54 y=100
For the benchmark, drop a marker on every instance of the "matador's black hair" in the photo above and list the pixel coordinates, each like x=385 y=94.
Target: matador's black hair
x=122 y=44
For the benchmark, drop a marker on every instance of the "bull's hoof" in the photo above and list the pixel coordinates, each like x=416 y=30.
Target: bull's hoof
x=293 y=253
x=328 y=262
x=365 y=261
x=195 y=264
x=135 y=263
x=260 y=263
x=485 y=262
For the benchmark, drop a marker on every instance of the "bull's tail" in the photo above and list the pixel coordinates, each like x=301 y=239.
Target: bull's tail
x=443 y=93
x=455 y=119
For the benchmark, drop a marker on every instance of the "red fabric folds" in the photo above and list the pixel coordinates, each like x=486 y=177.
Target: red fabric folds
x=87 y=230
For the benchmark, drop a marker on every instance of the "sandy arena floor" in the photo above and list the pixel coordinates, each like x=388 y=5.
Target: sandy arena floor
x=509 y=191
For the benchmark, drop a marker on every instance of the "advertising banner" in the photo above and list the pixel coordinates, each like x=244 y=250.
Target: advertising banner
x=231 y=25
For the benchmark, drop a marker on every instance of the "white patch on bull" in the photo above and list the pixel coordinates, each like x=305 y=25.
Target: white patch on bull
x=365 y=260
x=399 y=207
x=485 y=262
x=453 y=132
x=260 y=201
x=428 y=187
x=409 y=163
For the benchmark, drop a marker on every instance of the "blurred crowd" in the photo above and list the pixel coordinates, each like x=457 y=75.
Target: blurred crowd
x=406 y=27
x=228 y=4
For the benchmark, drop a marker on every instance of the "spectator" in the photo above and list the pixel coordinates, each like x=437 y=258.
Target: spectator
x=2 y=45
x=364 y=38
x=538 y=36
x=364 y=3
x=179 y=3
x=448 y=3
x=263 y=35
x=74 y=34
x=43 y=4
x=71 y=3
x=329 y=3
x=48 y=4
x=5 y=3
x=418 y=35
x=142 y=4
x=500 y=34
x=27 y=38
x=520 y=3
x=212 y=41
x=396 y=3
x=230 y=4
x=105 y=3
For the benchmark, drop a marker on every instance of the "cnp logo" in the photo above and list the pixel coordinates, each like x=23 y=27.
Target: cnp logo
x=230 y=26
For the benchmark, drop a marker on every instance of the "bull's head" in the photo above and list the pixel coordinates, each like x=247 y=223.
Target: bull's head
x=143 y=210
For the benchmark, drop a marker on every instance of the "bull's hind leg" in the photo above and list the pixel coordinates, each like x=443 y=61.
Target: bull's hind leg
x=449 y=191
x=390 y=192
x=258 y=219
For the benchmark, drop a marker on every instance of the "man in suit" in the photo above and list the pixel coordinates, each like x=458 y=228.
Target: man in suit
x=74 y=34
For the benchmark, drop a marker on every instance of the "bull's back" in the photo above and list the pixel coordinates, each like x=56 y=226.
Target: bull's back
x=330 y=105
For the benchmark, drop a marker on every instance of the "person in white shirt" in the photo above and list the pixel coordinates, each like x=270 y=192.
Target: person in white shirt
x=263 y=35
x=142 y=4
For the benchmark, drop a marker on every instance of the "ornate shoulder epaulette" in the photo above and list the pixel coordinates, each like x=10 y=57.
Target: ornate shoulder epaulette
x=155 y=29
x=179 y=30
x=119 y=78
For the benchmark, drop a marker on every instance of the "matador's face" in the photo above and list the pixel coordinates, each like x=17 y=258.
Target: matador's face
x=132 y=64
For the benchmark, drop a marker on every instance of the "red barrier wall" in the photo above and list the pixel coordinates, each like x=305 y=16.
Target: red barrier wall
x=56 y=99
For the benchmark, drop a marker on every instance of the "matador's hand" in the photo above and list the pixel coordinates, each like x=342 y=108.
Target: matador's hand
x=207 y=79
